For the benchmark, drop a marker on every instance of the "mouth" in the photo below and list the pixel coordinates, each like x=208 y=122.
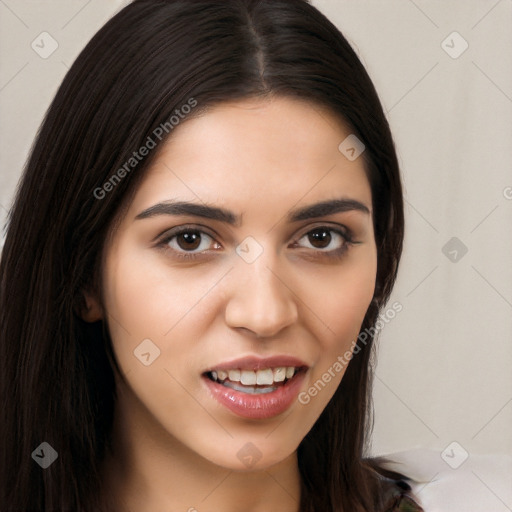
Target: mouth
x=256 y=388
x=266 y=380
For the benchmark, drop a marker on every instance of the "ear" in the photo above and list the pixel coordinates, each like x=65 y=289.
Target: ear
x=90 y=310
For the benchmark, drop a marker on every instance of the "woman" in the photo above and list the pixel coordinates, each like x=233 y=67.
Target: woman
x=208 y=227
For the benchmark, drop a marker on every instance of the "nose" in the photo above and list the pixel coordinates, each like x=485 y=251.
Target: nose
x=259 y=299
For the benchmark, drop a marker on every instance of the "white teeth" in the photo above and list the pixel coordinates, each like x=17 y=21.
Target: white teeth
x=251 y=390
x=234 y=375
x=264 y=377
x=279 y=374
x=248 y=378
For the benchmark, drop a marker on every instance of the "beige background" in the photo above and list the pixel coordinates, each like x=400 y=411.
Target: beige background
x=445 y=360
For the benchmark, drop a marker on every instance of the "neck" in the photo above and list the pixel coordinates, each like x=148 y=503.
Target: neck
x=149 y=469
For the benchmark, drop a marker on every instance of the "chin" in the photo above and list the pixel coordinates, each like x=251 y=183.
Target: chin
x=250 y=456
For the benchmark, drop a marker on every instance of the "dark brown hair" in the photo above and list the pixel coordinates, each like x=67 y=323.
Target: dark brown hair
x=57 y=371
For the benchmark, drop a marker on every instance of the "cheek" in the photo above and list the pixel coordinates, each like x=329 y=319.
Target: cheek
x=352 y=300
x=145 y=299
x=341 y=298
x=157 y=310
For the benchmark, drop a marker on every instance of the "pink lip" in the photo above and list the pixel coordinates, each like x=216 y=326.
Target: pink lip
x=260 y=406
x=258 y=363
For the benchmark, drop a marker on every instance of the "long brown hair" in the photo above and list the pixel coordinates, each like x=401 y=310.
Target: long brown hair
x=57 y=371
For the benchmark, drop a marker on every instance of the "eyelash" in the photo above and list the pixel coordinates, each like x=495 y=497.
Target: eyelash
x=334 y=254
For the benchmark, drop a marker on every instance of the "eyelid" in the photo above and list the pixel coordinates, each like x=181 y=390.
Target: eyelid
x=177 y=230
x=337 y=228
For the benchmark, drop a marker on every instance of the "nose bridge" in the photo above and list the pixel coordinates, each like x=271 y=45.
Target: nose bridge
x=259 y=298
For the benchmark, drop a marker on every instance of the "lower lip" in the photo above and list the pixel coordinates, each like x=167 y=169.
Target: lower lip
x=266 y=405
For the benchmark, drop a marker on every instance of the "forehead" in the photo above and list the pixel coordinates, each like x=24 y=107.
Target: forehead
x=259 y=152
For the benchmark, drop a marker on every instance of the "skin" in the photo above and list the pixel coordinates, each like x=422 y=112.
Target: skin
x=175 y=447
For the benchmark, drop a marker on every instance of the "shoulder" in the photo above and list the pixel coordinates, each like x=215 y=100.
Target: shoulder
x=450 y=480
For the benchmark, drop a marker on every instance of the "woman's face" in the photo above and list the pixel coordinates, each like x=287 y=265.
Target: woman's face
x=224 y=278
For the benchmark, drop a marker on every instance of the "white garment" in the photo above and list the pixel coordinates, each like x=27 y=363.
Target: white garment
x=481 y=483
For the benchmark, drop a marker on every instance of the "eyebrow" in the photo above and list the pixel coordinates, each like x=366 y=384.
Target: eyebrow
x=312 y=211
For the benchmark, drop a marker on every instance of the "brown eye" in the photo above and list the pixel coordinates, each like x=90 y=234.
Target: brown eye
x=320 y=238
x=327 y=242
x=326 y=239
x=188 y=240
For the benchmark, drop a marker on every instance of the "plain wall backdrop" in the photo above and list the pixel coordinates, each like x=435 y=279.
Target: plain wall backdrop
x=443 y=70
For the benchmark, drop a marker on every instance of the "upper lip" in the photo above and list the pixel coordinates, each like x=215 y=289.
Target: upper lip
x=259 y=363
